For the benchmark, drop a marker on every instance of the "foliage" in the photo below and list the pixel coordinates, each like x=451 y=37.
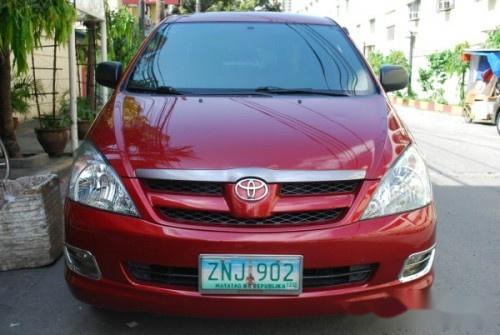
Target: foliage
x=433 y=78
x=396 y=57
x=188 y=6
x=84 y=110
x=457 y=66
x=124 y=35
x=49 y=122
x=376 y=60
x=442 y=66
x=22 y=90
x=24 y=22
x=493 y=40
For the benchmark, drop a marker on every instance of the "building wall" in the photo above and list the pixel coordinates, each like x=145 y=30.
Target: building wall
x=286 y=5
x=43 y=63
x=435 y=30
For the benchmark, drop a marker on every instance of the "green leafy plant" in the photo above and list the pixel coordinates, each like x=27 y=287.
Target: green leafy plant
x=24 y=22
x=188 y=6
x=84 y=110
x=493 y=40
x=50 y=122
x=433 y=78
x=457 y=66
x=59 y=121
x=396 y=57
x=124 y=35
x=376 y=60
x=22 y=89
x=442 y=66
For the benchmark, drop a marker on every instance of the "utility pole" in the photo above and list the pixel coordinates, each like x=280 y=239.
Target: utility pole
x=412 y=46
x=159 y=11
x=141 y=16
x=198 y=6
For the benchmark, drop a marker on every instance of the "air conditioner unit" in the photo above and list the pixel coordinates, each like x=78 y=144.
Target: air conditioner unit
x=445 y=5
x=414 y=16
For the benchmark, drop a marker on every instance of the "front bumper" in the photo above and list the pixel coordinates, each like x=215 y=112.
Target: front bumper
x=115 y=240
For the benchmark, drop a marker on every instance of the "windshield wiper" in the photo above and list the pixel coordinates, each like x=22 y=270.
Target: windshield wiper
x=308 y=91
x=157 y=90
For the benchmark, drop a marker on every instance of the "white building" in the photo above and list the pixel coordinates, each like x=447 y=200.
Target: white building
x=386 y=25
x=286 y=5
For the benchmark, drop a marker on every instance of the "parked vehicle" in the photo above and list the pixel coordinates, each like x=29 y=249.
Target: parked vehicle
x=482 y=103
x=250 y=165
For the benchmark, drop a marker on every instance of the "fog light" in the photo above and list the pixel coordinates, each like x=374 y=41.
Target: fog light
x=417 y=265
x=81 y=262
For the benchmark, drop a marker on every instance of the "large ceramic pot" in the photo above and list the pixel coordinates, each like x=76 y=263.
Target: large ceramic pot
x=53 y=141
x=83 y=128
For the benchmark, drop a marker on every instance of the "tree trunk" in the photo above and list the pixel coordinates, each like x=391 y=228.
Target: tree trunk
x=7 y=132
x=91 y=97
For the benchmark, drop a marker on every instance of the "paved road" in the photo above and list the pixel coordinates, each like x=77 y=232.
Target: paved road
x=465 y=166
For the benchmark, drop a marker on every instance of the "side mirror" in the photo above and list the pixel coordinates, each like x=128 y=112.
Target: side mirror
x=393 y=77
x=108 y=73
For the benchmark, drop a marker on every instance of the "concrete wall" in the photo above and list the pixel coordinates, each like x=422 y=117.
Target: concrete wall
x=468 y=20
x=44 y=59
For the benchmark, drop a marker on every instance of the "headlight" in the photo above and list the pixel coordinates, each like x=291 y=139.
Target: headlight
x=94 y=183
x=406 y=186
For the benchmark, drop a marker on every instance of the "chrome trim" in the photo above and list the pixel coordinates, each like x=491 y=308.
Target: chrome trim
x=424 y=271
x=72 y=267
x=267 y=175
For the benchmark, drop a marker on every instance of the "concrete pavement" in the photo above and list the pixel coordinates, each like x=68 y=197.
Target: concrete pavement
x=464 y=161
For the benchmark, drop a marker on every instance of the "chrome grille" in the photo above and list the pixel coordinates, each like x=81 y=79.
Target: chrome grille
x=293 y=218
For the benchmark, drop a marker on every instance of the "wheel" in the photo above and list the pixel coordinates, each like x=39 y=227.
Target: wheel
x=468 y=116
x=497 y=122
x=4 y=162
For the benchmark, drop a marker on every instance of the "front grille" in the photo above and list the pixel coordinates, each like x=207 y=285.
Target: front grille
x=336 y=187
x=165 y=275
x=286 y=189
x=292 y=218
x=185 y=187
x=312 y=278
x=337 y=276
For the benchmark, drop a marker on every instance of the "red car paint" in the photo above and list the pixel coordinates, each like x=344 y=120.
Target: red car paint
x=138 y=130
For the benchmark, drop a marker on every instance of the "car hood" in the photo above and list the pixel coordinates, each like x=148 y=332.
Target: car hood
x=281 y=132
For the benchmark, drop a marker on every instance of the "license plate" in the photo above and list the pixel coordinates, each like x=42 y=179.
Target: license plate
x=250 y=274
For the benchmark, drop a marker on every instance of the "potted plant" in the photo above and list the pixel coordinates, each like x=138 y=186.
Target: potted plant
x=85 y=115
x=53 y=130
x=53 y=134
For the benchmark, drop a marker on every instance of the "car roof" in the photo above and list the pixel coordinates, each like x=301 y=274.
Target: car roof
x=251 y=17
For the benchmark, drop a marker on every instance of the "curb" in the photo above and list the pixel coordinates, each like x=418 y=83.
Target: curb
x=426 y=105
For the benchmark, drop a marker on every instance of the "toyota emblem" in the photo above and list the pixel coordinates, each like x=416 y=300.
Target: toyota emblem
x=251 y=189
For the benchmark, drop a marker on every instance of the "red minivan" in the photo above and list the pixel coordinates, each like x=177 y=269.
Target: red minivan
x=250 y=165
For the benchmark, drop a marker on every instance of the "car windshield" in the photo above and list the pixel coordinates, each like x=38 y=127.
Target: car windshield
x=265 y=58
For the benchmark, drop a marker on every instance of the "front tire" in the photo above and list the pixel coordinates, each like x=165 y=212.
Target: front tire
x=468 y=116
x=497 y=122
